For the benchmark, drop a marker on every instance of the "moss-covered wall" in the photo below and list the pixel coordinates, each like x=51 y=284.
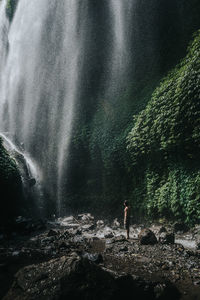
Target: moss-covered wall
x=11 y=193
x=165 y=144
x=101 y=175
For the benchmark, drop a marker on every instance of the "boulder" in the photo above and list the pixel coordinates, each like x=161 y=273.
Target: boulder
x=32 y=182
x=27 y=225
x=100 y=224
x=147 y=237
x=197 y=238
x=94 y=257
x=77 y=277
x=108 y=235
x=86 y=218
x=87 y=227
x=166 y=238
x=52 y=232
x=115 y=224
x=70 y=277
x=180 y=227
x=69 y=219
x=162 y=229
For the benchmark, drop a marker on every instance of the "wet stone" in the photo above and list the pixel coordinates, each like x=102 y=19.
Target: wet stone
x=147 y=237
x=180 y=227
x=162 y=229
x=100 y=224
x=52 y=232
x=109 y=235
x=166 y=238
x=123 y=248
x=87 y=227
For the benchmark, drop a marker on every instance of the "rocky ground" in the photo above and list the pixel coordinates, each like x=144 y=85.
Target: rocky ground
x=83 y=258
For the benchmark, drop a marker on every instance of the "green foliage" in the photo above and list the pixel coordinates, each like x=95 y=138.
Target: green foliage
x=10 y=186
x=10 y=8
x=167 y=131
x=8 y=167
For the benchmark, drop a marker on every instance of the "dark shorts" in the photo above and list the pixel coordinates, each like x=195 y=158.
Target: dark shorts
x=127 y=225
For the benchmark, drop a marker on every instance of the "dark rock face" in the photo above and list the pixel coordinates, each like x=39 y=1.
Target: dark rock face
x=162 y=229
x=74 y=277
x=166 y=238
x=61 y=263
x=147 y=237
x=198 y=242
x=27 y=225
x=180 y=227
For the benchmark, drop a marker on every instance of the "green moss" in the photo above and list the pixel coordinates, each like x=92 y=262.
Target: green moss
x=10 y=8
x=167 y=132
x=10 y=187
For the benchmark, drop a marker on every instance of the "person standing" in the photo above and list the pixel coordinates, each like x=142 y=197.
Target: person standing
x=127 y=217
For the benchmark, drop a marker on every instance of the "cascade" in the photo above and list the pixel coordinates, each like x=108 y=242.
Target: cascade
x=30 y=173
x=121 y=13
x=42 y=57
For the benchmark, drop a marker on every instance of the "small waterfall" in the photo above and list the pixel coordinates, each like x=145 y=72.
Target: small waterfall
x=30 y=173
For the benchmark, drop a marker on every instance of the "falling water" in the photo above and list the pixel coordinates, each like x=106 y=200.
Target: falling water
x=121 y=13
x=41 y=58
x=29 y=170
x=40 y=80
x=4 y=25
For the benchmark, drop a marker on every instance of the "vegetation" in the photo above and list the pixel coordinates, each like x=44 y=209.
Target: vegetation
x=10 y=187
x=165 y=144
x=10 y=8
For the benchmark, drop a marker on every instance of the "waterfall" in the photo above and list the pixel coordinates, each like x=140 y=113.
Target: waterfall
x=42 y=57
x=39 y=82
x=121 y=13
x=4 y=25
x=30 y=173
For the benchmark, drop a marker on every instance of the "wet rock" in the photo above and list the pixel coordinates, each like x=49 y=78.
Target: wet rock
x=69 y=219
x=110 y=241
x=180 y=227
x=31 y=182
x=63 y=245
x=166 y=291
x=27 y=225
x=120 y=239
x=94 y=257
x=77 y=231
x=109 y=235
x=147 y=237
x=70 y=277
x=162 y=229
x=180 y=248
x=52 y=232
x=197 y=241
x=123 y=248
x=115 y=224
x=100 y=224
x=87 y=227
x=85 y=218
x=166 y=238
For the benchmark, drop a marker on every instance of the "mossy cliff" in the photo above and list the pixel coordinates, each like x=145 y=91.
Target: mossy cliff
x=102 y=171
x=10 y=187
x=165 y=145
